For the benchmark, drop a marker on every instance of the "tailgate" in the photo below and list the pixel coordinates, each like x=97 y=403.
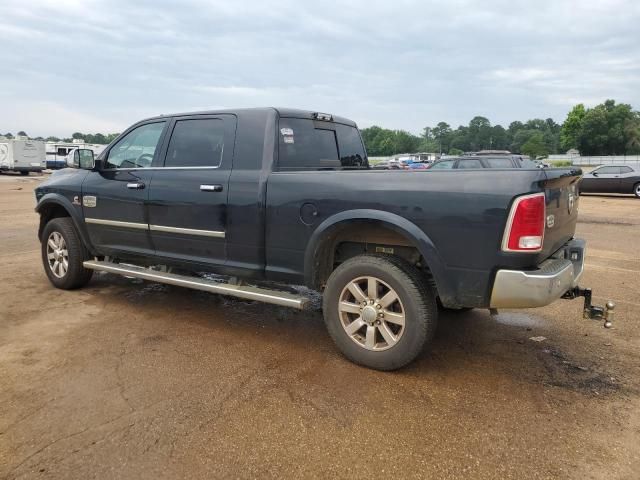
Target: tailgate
x=560 y=188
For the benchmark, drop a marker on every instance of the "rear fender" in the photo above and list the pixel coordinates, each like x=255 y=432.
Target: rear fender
x=400 y=225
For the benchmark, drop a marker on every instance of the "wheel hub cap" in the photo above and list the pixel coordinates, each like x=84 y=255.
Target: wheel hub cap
x=371 y=313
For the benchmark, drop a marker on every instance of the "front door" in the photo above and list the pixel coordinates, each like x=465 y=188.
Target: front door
x=188 y=196
x=602 y=180
x=114 y=197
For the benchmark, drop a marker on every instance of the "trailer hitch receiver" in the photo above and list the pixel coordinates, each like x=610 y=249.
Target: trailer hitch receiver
x=592 y=312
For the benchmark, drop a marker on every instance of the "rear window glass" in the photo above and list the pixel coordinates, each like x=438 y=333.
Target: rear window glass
x=352 y=154
x=499 y=162
x=309 y=145
x=196 y=143
x=626 y=169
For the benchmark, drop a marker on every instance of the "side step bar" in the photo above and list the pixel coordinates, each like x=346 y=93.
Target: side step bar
x=241 y=291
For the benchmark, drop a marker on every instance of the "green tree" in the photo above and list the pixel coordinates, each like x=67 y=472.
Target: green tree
x=572 y=127
x=52 y=139
x=442 y=134
x=535 y=146
x=22 y=133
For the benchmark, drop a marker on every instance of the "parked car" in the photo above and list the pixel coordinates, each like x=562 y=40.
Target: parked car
x=418 y=166
x=177 y=195
x=382 y=166
x=621 y=178
x=475 y=162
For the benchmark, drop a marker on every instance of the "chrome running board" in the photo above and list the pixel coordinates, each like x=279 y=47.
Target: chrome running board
x=264 y=295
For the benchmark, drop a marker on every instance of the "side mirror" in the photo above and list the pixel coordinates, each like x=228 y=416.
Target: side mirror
x=83 y=158
x=595 y=174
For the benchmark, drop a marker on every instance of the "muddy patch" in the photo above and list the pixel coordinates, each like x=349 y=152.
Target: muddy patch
x=564 y=372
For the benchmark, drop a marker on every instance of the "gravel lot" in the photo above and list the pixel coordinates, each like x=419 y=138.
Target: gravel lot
x=126 y=379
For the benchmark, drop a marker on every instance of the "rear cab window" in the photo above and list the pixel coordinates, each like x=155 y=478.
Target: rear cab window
x=306 y=144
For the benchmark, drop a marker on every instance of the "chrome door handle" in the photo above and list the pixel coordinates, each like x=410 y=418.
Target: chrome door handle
x=135 y=186
x=211 y=188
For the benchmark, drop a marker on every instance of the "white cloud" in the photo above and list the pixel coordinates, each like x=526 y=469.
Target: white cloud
x=404 y=64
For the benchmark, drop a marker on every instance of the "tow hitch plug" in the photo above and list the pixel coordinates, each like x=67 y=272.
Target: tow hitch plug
x=593 y=312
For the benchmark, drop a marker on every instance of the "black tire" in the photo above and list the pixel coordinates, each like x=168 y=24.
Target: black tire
x=418 y=303
x=23 y=173
x=456 y=310
x=76 y=275
x=636 y=190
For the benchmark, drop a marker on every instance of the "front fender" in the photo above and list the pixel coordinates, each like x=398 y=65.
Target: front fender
x=74 y=211
x=394 y=222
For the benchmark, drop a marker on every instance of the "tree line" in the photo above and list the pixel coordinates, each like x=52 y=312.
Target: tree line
x=97 y=138
x=606 y=129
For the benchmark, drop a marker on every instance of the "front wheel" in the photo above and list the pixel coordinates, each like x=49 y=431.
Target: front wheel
x=380 y=311
x=63 y=255
x=636 y=190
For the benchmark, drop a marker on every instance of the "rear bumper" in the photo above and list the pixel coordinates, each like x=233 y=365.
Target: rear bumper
x=540 y=287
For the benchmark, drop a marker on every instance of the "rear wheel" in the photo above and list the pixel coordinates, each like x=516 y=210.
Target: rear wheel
x=379 y=310
x=636 y=190
x=63 y=254
x=23 y=173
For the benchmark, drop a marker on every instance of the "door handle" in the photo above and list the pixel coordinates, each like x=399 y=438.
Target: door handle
x=211 y=188
x=135 y=186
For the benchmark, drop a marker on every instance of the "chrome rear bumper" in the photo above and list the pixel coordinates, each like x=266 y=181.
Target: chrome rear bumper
x=537 y=288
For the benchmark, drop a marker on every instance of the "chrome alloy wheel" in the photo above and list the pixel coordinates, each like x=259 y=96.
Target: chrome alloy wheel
x=57 y=254
x=371 y=313
x=637 y=192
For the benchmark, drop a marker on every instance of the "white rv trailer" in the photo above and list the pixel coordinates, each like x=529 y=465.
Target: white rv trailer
x=22 y=155
x=58 y=152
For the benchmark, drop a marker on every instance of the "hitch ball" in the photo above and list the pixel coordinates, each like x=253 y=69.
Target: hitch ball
x=609 y=314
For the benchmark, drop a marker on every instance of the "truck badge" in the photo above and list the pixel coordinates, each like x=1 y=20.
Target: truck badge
x=551 y=221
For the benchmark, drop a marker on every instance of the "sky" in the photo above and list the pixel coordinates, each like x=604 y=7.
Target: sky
x=99 y=66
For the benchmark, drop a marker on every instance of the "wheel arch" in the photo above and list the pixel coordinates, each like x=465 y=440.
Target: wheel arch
x=319 y=253
x=54 y=205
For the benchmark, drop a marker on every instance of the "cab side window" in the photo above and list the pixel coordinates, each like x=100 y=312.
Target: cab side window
x=137 y=148
x=196 y=143
x=473 y=163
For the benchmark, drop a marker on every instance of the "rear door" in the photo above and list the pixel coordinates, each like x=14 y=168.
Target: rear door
x=188 y=196
x=113 y=198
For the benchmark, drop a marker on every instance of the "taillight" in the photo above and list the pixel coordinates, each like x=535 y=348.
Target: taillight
x=525 y=225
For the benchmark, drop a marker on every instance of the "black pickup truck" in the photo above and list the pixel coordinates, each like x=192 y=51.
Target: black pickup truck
x=274 y=197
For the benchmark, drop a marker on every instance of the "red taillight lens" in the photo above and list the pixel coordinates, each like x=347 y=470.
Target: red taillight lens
x=525 y=227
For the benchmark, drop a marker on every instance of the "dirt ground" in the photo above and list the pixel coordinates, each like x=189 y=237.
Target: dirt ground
x=126 y=379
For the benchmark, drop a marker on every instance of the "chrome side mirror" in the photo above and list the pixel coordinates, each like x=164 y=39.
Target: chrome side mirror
x=83 y=158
